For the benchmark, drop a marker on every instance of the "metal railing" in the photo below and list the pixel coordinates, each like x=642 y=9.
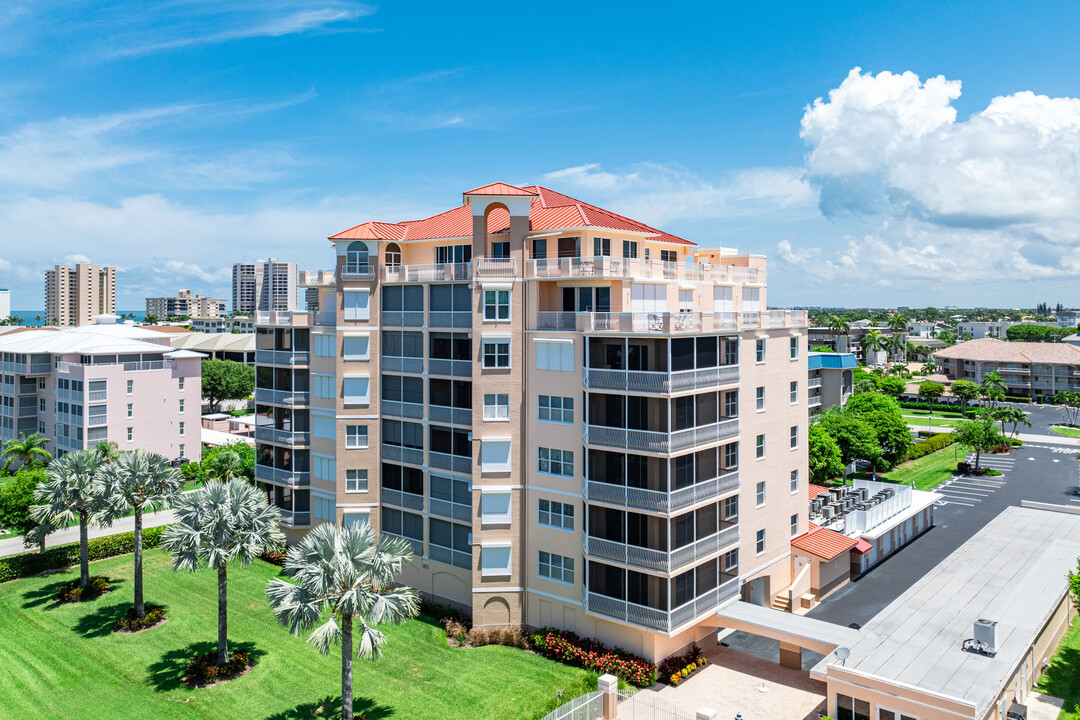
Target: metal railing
x=620 y=267
x=450 y=319
x=281 y=397
x=814 y=401
x=295 y=518
x=91 y=421
x=450 y=556
x=660 y=382
x=401 y=499
x=357 y=271
x=662 y=620
x=281 y=437
x=452 y=415
x=438 y=272
x=814 y=382
x=281 y=476
x=660 y=560
x=97 y=395
x=658 y=500
x=403 y=318
x=496 y=267
x=448 y=509
x=451 y=368
x=413 y=456
x=454 y=463
x=395 y=364
x=657 y=441
x=282 y=357
x=665 y=322
x=396 y=408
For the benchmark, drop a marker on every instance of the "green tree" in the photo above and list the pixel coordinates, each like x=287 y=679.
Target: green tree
x=217 y=523
x=226 y=380
x=821 y=348
x=107 y=450
x=150 y=319
x=892 y=386
x=873 y=341
x=978 y=435
x=211 y=468
x=965 y=391
x=139 y=482
x=1074 y=585
x=931 y=391
x=29 y=450
x=839 y=327
x=73 y=489
x=16 y=499
x=855 y=438
x=345 y=576
x=1069 y=400
x=826 y=462
x=882 y=413
x=993 y=387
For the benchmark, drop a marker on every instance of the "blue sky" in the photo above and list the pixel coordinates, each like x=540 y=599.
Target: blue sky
x=174 y=138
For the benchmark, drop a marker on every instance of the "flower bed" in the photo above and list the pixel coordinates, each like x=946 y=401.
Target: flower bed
x=130 y=623
x=568 y=648
x=676 y=668
x=203 y=671
x=70 y=592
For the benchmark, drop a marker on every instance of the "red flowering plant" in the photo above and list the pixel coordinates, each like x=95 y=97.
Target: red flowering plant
x=568 y=648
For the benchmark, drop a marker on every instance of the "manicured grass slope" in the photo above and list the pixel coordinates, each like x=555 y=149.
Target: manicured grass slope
x=929 y=471
x=1063 y=678
x=64 y=661
x=1066 y=431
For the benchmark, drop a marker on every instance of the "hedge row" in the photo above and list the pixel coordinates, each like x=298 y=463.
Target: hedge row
x=929 y=445
x=14 y=567
x=938 y=407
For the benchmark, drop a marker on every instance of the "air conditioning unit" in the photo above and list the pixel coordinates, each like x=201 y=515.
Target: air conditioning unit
x=986 y=634
x=828 y=511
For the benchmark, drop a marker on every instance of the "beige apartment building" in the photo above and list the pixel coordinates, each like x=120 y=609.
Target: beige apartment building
x=577 y=420
x=265 y=285
x=74 y=295
x=186 y=303
x=1028 y=368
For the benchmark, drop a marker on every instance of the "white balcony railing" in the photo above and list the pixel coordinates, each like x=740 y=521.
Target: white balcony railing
x=441 y=272
x=666 y=323
x=658 y=500
x=662 y=620
x=282 y=357
x=282 y=437
x=357 y=271
x=660 y=382
x=496 y=267
x=281 y=476
x=652 y=441
x=660 y=560
x=281 y=397
x=618 y=267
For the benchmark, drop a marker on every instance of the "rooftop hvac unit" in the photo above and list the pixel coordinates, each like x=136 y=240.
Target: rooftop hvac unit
x=986 y=634
x=828 y=511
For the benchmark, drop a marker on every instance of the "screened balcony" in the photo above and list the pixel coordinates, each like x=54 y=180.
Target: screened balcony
x=661 y=485
x=661 y=365
x=660 y=425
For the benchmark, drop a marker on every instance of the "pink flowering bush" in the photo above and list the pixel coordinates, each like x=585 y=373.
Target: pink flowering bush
x=569 y=649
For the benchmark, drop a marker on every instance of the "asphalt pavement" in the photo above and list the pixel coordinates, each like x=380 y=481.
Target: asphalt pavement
x=14 y=546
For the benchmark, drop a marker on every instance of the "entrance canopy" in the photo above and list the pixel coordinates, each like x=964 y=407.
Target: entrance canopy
x=817 y=635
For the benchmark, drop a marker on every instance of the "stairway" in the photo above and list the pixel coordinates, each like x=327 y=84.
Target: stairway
x=782 y=602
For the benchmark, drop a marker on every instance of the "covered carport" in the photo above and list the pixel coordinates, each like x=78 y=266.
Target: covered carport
x=793 y=632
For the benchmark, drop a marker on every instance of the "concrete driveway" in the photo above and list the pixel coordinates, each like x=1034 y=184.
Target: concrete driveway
x=730 y=684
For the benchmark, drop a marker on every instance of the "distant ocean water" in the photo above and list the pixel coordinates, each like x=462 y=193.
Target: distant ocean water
x=30 y=317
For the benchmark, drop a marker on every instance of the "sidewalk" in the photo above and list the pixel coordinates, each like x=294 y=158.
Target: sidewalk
x=1051 y=439
x=14 y=546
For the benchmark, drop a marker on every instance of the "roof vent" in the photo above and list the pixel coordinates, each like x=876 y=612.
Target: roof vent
x=984 y=641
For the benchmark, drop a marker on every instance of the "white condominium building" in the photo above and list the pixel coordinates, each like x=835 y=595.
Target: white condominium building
x=187 y=304
x=576 y=419
x=265 y=285
x=74 y=295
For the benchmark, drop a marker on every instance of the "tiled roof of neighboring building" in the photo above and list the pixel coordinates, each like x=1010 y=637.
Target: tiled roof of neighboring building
x=824 y=543
x=994 y=350
x=816 y=490
x=549 y=210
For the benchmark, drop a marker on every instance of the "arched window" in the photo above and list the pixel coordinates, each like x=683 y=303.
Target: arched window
x=393 y=255
x=356 y=257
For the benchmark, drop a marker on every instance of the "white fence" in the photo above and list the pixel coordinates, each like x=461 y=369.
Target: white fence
x=633 y=706
x=584 y=707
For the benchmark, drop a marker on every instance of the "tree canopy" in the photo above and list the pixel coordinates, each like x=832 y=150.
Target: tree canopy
x=855 y=438
x=16 y=499
x=826 y=461
x=209 y=467
x=891 y=386
x=979 y=435
x=226 y=380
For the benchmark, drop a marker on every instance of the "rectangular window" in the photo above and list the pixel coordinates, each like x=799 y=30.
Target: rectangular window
x=322 y=386
x=130 y=434
x=496 y=406
x=556 y=462
x=500 y=249
x=357 y=390
x=602 y=247
x=494 y=560
x=629 y=249
x=539 y=248
x=794 y=481
x=495 y=455
x=731 y=508
x=181 y=388
x=556 y=567
x=751 y=299
x=181 y=426
x=323 y=427
x=852 y=708
x=669 y=256
x=760 y=397
x=722 y=300
x=496 y=353
x=131 y=409
x=356 y=481
x=731 y=562
x=356 y=437
x=553 y=408
x=794 y=437
x=355 y=347
x=556 y=514
x=760 y=545
x=357 y=304
x=759 y=444
x=495 y=507
x=323 y=467
x=793 y=392
x=731 y=456
x=794 y=348
x=558 y=356
x=794 y=525
x=496 y=304
x=181 y=406
x=731 y=404
x=450 y=543
x=180 y=448
x=322 y=344
x=761 y=493
x=759 y=347
x=404 y=524
x=130 y=387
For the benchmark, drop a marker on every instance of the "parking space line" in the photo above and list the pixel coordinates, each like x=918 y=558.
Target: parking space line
x=954 y=502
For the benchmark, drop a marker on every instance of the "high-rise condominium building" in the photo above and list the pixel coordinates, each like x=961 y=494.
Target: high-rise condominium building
x=74 y=295
x=186 y=303
x=576 y=419
x=5 y=303
x=312 y=282
x=265 y=285
x=101 y=381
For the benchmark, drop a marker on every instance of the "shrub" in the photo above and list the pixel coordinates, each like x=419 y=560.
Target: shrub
x=275 y=556
x=61 y=556
x=70 y=592
x=478 y=637
x=677 y=667
x=929 y=445
x=570 y=649
x=457 y=631
x=443 y=613
x=131 y=623
x=203 y=670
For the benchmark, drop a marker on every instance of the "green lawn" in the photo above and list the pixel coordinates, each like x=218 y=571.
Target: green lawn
x=920 y=423
x=1062 y=679
x=1066 y=431
x=929 y=471
x=64 y=661
x=937 y=413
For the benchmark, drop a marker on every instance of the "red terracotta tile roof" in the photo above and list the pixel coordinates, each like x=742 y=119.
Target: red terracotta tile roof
x=824 y=543
x=862 y=547
x=993 y=350
x=816 y=490
x=498 y=188
x=548 y=211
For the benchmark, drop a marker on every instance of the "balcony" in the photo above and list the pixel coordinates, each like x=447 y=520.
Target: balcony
x=293 y=318
x=414 y=365
x=282 y=476
x=282 y=358
x=397 y=498
x=441 y=272
x=659 y=560
x=450 y=319
x=457 y=558
x=660 y=382
x=396 y=408
x=288 y=398
x=662 y=620
x=452 y=415
x=295 y=518
x=450 y=368
x=403 y=318
x=617 y=267
x=495 y=267
x=451 y=510
x=276 y=436
x=659 y=501
x=397 y=453
x=453 y=463
x=92 y=421
x=814 y=382
x=1014 y=370
x=666 y=323
x=357 y=271
x=814 y=401
x=657 y=442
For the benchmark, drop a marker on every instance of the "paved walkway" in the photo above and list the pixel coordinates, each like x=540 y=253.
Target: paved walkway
x=14 y=546
x=1051 y=439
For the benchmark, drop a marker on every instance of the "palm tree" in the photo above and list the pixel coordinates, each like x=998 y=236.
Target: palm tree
x=107 y=450
x=139 y=481
x=993 y=386
x=872 y=341
x=897 y=345
x=839 y=326
x=1013 y=415
x=73 y=488
x=226 y=465
x=217 y=523
x=352 y=574
x=28 y=449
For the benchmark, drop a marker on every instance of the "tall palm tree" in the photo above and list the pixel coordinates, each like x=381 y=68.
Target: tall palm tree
x=217 y=523
x=993 y=386
x=73 y=488
x=839 y=326
x=897 y=345
x=29 y=450
x=139 y=481
x=898 y=323
x=872 y=341
x=352 y=574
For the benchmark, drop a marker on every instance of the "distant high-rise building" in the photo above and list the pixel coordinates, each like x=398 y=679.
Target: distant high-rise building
x=312 y=282
x=74 y=295
x=265 y=285
x=186 y=303
x=5 y=303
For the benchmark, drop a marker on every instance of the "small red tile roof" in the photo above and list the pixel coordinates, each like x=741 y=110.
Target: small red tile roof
x=549 y=210
x=824 y=543
x=499 y=188
x=862 y=547
x=816 y=490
